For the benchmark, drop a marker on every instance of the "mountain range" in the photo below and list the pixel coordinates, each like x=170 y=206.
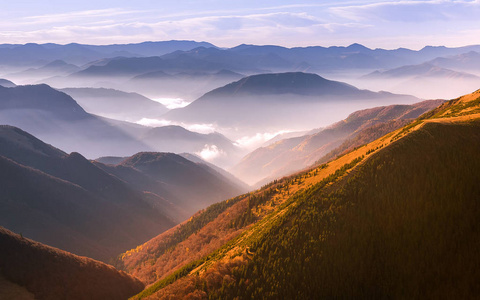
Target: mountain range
x=48 y=195
x=56 y=118
x=32 y=54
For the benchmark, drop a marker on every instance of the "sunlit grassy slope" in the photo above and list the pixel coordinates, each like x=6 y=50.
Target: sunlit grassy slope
x=396 y=218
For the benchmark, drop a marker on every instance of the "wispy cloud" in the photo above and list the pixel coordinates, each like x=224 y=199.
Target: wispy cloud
x=410 y=11
x=75 y=16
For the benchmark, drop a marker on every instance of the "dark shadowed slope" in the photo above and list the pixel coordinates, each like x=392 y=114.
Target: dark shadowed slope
x=195 y=186
x=49 y=273
x=289 y=155
x=67 y=202
x=185 y=180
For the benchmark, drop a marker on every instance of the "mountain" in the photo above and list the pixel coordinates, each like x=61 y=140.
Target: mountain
x=54 y=68
x=426 y=80
x=422 y=70
x=190 y=186
x=177 y=139
x=114 y=66
x=56 y=118
x=468 y=61
x=396 y=217
x=7 y=83
x=254 y=58
x=65 y=201
x=31 y=270
x=294 y=154
x=268 y=100
x=116 y=104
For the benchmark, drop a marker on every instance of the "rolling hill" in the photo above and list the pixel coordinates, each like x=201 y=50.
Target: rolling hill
x=397 y=217
x=467 y=61
x=31 y=270
x=116 y=104
x=54 y=68
x=284 y=101
x=289 y=155
x=190 y=186
x=426 y=80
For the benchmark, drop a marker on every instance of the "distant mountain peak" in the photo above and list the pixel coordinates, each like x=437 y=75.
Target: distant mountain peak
x=282 y=83
x=357 y=47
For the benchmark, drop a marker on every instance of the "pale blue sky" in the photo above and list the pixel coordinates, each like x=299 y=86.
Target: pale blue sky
x=226 y=23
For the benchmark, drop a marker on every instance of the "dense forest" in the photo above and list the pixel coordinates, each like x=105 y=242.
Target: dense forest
x=405 y=224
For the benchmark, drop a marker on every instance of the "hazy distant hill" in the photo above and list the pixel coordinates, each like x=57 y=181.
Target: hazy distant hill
x=31 y=270
x=281 y=101
x=39 y=54
x=56 y=118
x=355 y=56
x=178 y=140
x=420 y=71
x=469 y=61
x=427 y=80
x=7 y=83
x=116 y=104
x=67 y=202
x=286 y=156
x=54 y=68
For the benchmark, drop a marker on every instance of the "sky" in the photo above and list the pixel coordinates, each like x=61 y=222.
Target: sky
x=227 y=23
